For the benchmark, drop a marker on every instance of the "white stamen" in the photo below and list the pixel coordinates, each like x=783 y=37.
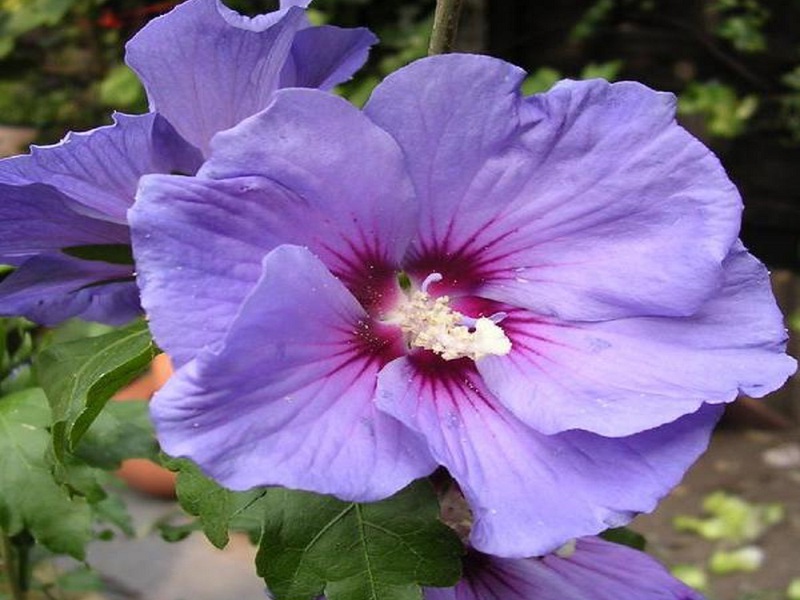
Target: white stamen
x=431 y=324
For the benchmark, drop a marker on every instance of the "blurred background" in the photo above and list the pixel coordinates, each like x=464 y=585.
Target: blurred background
x=733 y=527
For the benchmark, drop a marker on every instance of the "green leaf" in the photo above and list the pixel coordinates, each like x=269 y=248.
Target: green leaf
x=116 y=254
x=18 y=17
x=216 y=507
x=121 y=88
x=379 y=551
x=540 y=80
x=16 y=348
x=80 y=376
x=29 y=498
x=113 y=510
x=625 y=537
x=123 y=430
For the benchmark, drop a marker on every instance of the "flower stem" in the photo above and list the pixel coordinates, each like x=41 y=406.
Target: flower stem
x=445 y=26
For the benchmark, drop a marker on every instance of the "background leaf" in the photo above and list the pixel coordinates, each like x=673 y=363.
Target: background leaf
x=384 y=550
x=123 y=430
x=80 y=376
x=29 y=497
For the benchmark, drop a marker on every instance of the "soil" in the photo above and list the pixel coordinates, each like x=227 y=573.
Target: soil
x=738 y=462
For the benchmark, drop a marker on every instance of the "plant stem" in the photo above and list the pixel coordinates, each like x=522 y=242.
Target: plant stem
x=11 y=568
x=445 y=26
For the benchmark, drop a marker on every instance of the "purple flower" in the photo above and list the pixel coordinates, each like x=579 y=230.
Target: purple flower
x=588 y=569
x=545 y=295
x=205 y=68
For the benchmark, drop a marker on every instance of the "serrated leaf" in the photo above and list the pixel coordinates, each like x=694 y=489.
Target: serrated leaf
x=315 y=544
x=80 y=376
x=217 y=508
x=29 y=497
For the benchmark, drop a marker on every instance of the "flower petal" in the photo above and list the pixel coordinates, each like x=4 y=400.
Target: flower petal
x=529 y=492
x=198 y=248
x=323 y=57
x=287 y=398
x=185 y=60
x=37 y=218
x=100 y=169
x=51 y=288
x=450 y=114
x=619 y=377
x=205 y=67
x=198 y=242
x=596 y=570
x=561 y=203
x=359 y=203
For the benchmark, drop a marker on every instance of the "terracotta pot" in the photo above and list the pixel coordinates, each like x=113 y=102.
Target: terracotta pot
x=139 y=473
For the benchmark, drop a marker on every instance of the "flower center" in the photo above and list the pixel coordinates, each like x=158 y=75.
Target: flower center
x=430 y=323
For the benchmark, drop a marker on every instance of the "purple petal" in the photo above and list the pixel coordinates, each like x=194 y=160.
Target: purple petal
x=287 y=398
x=49 y=289
x=198 y=248
x=100 y=169
x=529 y=492
x=206 y=67
x=37 y=218
x=323 y=57
x=619 y=377
x=596 y=570
x=199 y=241
x=587 y=202
x=358 y=202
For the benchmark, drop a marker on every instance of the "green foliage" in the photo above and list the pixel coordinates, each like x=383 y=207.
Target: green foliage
x=725 y=113
x=544 y=78
x=80 y=376
x=731 y=518
x=313 y=544
x=597 y=13
x=793 y=591
x=18 y=17
x=30 y=500
x=741 y=22
x=217 y=508
x=742 y=560
x=691 y=575
x=121 y=87
x=16 y=349
x=123 y=430
x=540 y=80
x=625 y=537
x=608 y=70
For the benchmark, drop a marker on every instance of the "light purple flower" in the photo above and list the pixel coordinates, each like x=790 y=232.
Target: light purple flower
x=599 y=307
x=592 y=569
x=205 y=68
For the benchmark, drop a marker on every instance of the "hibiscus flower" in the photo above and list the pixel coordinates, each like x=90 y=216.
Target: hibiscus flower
x=544 y=295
